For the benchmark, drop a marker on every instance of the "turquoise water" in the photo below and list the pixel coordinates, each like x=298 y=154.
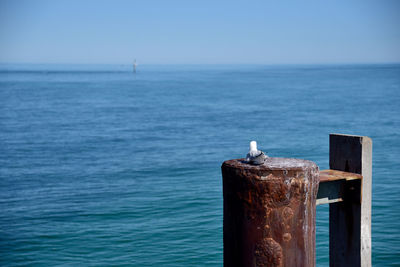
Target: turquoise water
x=102 y=167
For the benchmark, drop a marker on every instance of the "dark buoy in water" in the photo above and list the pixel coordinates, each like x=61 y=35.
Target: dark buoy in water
x=255 y=156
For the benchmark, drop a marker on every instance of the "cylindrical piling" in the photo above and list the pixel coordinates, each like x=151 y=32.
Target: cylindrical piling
x=269 y=213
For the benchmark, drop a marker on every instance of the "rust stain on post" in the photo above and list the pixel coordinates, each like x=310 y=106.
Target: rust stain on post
x=269 y=213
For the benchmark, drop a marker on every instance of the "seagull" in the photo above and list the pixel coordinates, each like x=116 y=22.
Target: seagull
x=255 y=156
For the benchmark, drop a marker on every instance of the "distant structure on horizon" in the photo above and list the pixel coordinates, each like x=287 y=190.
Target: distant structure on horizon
x=134 y=66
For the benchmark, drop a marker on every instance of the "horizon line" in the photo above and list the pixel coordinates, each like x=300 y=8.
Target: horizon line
x=216 y=64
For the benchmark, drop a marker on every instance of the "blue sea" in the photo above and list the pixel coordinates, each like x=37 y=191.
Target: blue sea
x=101 y=167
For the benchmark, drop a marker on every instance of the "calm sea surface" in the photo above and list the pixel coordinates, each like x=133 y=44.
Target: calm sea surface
x=102 y=167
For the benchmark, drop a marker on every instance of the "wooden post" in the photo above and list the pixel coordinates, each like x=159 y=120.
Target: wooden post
x=350 y=220
x=269 y=213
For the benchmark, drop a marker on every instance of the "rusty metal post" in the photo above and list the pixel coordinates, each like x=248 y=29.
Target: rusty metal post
x=269 y=213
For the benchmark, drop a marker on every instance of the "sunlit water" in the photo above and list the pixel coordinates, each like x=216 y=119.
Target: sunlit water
x=99 y=166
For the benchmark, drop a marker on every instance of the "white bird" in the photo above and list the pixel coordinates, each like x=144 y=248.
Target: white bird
x=255 y=156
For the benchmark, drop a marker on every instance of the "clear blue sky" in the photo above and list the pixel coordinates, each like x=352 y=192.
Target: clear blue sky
x=169 y=31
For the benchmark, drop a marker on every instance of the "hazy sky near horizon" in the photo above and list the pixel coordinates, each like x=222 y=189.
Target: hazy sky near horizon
x=204 y=32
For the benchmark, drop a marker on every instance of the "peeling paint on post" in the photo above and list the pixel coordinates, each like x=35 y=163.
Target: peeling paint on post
x=269 y=213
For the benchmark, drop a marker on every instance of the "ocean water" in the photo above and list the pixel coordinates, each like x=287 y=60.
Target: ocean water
x=99 y=166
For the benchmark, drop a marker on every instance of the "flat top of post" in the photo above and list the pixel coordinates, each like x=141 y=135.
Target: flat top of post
x=272 y=164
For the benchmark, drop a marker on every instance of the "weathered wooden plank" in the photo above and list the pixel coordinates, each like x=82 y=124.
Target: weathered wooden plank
x=350 y=220
x=332 y=185
x=366 y=193
x=333 y=175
